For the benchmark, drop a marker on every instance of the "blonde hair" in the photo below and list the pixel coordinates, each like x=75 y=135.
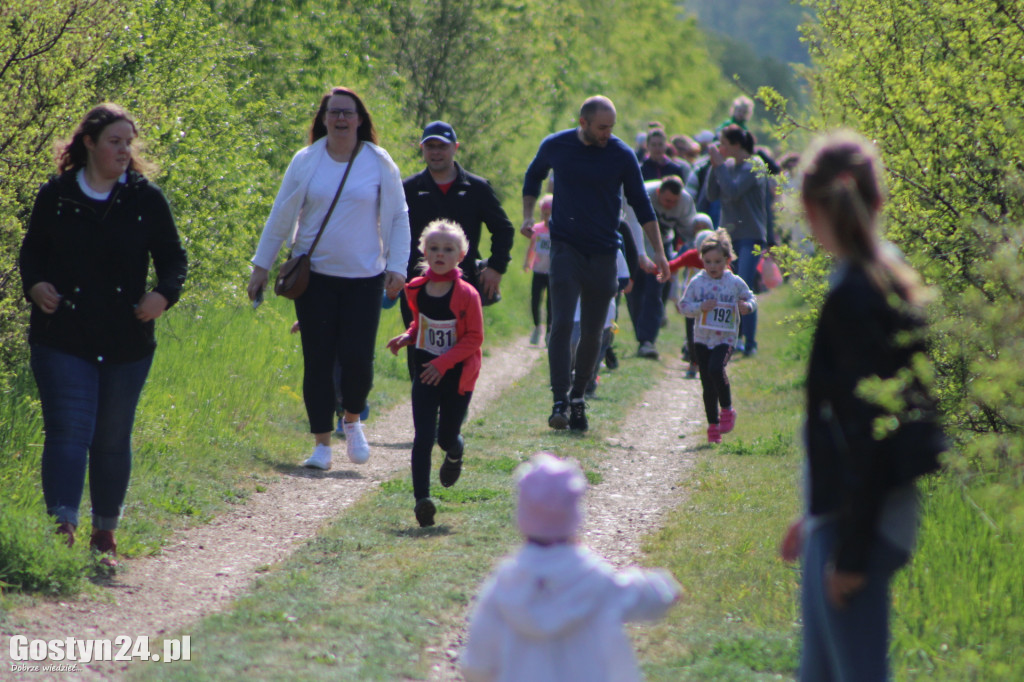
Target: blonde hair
x=719 y=239
x=842 y=178
x=442 y=228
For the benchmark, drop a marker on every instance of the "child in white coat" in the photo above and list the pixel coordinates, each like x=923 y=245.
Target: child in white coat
x=554 y=611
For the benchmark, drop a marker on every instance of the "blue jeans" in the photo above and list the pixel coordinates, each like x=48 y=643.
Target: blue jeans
x=591 y=280
x=849 y=644
x=646 y=306
x=747 y=264
x=88 y=414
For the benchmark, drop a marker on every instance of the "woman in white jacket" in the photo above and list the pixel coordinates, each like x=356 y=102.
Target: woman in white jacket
x=363 y=252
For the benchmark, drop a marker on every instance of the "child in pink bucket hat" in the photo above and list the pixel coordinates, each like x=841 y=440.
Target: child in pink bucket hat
x=554 y=611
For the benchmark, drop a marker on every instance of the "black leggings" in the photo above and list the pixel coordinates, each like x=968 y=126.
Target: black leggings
x=436 y=411
x=713 y=379
x=338 y=319
x=537 y=289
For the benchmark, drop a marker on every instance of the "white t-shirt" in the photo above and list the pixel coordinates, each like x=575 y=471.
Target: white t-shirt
x=351 y=243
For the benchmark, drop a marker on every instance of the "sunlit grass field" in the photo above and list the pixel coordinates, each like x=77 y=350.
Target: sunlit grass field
x=372 y=594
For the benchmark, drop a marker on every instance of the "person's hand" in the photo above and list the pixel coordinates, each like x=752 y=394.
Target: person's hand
x=628 y=288
x=399 y=342
x=296 y=327
x=792 y=542
x=393 y=283
x=646 y=264
x=745 y=307
x=715 y=155
x=708 y=305
x=257 y=281
x=151 y=306
x=490 y=280
x=526 y=229
x=430 y=375
x=45 y=295
x=663 y=269
x=841 y=586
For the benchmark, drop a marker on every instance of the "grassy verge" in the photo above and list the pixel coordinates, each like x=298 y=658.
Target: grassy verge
x=957 y=609
x=368 y=597
x=220 y=416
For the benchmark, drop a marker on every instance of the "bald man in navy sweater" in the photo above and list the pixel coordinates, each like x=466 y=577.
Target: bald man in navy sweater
x=592 y=170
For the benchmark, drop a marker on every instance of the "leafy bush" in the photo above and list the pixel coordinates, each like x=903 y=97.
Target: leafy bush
x=33 y=558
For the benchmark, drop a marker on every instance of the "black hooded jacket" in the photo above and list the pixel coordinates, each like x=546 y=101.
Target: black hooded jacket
x=97 y=255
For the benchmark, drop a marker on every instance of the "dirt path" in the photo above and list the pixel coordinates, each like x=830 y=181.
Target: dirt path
x=201 y=570
x=638 y=487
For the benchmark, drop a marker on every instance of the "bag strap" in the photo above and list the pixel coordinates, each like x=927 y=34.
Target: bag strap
x=351 y=162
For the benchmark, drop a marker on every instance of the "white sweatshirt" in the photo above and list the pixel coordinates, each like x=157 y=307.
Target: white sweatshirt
x=555 y=614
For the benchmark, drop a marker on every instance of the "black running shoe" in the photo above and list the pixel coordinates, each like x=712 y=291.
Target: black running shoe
x=578 y=415
x=424 y=511
x=451 y=468
x=559 y=418
x=610 y=359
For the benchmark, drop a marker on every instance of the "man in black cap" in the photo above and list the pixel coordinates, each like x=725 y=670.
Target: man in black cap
x=445 y=190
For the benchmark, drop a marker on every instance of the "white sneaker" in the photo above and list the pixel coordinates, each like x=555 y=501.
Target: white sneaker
x=355 y=443
x=320 y=459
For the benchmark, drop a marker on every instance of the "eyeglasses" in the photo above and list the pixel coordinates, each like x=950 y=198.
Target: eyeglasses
x=347 y=113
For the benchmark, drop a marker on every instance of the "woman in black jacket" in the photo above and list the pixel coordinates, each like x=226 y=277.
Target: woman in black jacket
x=862 y=458
x=84 y=266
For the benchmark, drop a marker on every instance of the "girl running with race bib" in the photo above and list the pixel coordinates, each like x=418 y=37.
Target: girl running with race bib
x=716 y=298
x=447 y=332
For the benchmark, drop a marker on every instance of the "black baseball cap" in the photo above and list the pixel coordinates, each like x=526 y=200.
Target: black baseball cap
x=439 y=130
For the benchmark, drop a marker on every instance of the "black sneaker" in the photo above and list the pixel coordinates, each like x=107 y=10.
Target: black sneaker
x=452 y=465
x=559 y=418
x=578 y=415
x=424 y=511
x=610 y=360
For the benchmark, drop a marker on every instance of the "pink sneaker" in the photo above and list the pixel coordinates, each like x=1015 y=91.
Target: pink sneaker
x=728 y=420
x=714 y=434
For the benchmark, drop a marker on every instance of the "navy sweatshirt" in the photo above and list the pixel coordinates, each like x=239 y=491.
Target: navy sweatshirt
x=588 y=179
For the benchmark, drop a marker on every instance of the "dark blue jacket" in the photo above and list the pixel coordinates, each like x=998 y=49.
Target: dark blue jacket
x=861 y=335
x=588 y=180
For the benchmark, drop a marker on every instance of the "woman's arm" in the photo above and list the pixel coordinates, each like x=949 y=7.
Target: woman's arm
x=34 y=253
x=169 y=258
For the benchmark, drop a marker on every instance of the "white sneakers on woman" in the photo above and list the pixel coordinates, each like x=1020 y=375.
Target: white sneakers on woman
x=355 y=443
x=356 y=447
x=320 y=459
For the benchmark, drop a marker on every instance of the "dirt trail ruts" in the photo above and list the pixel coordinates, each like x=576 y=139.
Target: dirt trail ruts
x=638 y=486
x=202 y=569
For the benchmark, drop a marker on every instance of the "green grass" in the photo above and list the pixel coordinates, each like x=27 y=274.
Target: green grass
x=368 y=596
x=958 y=609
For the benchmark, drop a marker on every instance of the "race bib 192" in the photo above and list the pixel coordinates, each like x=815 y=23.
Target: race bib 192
x=436 y=336
x=722 y=318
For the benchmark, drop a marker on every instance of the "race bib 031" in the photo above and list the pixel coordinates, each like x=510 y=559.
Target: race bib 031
x=436 y=336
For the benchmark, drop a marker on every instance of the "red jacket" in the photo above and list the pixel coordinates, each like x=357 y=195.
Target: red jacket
x=469 y=328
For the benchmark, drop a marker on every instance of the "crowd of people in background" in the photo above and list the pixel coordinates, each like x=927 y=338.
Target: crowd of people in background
x=677 y=219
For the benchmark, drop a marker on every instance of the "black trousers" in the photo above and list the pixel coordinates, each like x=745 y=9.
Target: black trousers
x=338 y=318
x=437 y=413
x=537 y=288
x=713 y=379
